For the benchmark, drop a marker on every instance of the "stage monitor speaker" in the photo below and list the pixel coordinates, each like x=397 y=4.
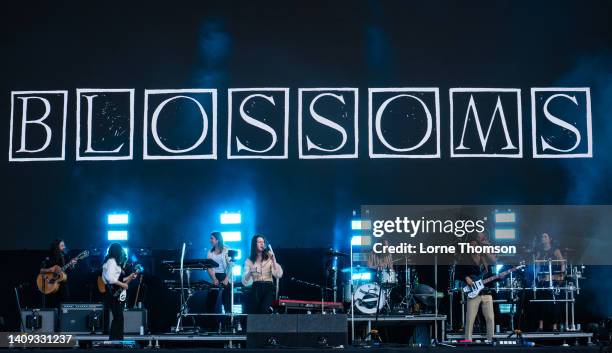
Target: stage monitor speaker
x=291 y=330
x=81 y=318
x=320 y=331
x=133 y=321
x=39 y=320
x=271 y=330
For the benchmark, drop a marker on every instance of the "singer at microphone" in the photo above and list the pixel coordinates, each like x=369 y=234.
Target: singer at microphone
x=260 y=270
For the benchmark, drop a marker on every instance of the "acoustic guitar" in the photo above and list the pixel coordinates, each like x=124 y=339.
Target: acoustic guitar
x=48 y=282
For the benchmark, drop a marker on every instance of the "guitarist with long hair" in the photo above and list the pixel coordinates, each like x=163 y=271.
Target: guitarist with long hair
x=112 y=270
x=57 y=258
x=479 y=266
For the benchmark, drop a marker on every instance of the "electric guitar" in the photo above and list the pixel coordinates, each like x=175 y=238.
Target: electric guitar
x=473 y=290
x=48 y=282
x=121 y=293
x=101 y=285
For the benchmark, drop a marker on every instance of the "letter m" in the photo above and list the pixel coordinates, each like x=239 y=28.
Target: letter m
x=499 y=136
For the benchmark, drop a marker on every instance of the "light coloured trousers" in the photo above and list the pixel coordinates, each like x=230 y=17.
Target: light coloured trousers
x=486 y=301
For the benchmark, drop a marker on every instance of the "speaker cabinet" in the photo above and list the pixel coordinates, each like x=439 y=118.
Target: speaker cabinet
x=133 y=320
x=290 y=330
x=39 y=320
x=271 y=330
x=81 y=318
x=319 y=331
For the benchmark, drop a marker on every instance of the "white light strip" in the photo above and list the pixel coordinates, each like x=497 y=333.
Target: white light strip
x=117 y=235
x=231 y=218
x=118 y=218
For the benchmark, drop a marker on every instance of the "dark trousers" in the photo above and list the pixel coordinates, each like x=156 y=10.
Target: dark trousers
x=116 y=308
x=218 y=297
x=62 y=295
x=262 y=295
x=549 y=312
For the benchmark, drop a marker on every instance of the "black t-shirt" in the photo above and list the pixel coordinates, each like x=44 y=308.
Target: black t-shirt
x=53 y=260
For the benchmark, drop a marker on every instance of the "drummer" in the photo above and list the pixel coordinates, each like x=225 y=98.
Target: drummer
x=546 y=249
x=382 y=261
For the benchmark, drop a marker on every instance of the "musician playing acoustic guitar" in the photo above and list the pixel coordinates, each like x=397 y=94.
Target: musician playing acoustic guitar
x=51 y=272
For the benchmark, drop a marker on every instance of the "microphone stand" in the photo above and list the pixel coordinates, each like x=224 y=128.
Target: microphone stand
x=314 y=285
x=44 y=282
x=23 y=328
x=183 y=302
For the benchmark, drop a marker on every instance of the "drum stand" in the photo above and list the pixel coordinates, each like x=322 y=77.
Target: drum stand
x=408 y=299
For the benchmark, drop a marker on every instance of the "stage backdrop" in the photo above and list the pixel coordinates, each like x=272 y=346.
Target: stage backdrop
x=294 y=115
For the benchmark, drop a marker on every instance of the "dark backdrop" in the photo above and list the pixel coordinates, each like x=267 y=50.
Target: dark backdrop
x=296 y=203
x=66 y=45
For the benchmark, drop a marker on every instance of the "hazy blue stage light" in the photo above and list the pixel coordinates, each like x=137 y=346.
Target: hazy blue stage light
x=237 y=309
x=117 y=235
x=231 y=218
x=237 y=271
x=126 y=251
x=118 y=218
x=231 y=236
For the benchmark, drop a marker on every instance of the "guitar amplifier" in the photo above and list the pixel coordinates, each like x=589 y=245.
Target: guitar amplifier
x=81 y=318
x=39 y=320
x=133 y=321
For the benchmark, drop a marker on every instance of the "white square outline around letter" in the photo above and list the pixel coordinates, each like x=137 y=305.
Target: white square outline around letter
x=587 y=91
x=145 y=132
x=230 y=92
x=79 y=91
x=519 y=110
x=436 y=92
x=355 y=92
x=17 y=159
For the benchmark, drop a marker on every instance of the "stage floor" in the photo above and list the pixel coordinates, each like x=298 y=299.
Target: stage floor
x=546 y=342
x=575 y=341
x=394 y=349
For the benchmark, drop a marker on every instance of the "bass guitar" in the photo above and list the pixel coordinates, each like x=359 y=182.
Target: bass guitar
x=478 y=285
x=48 y=280
x=121 y=293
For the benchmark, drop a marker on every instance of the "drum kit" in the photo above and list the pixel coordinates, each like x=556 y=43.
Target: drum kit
x=389 y=290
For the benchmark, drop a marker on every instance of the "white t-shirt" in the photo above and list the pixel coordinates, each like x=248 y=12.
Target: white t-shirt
x=221 y=259
x=111 y=271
